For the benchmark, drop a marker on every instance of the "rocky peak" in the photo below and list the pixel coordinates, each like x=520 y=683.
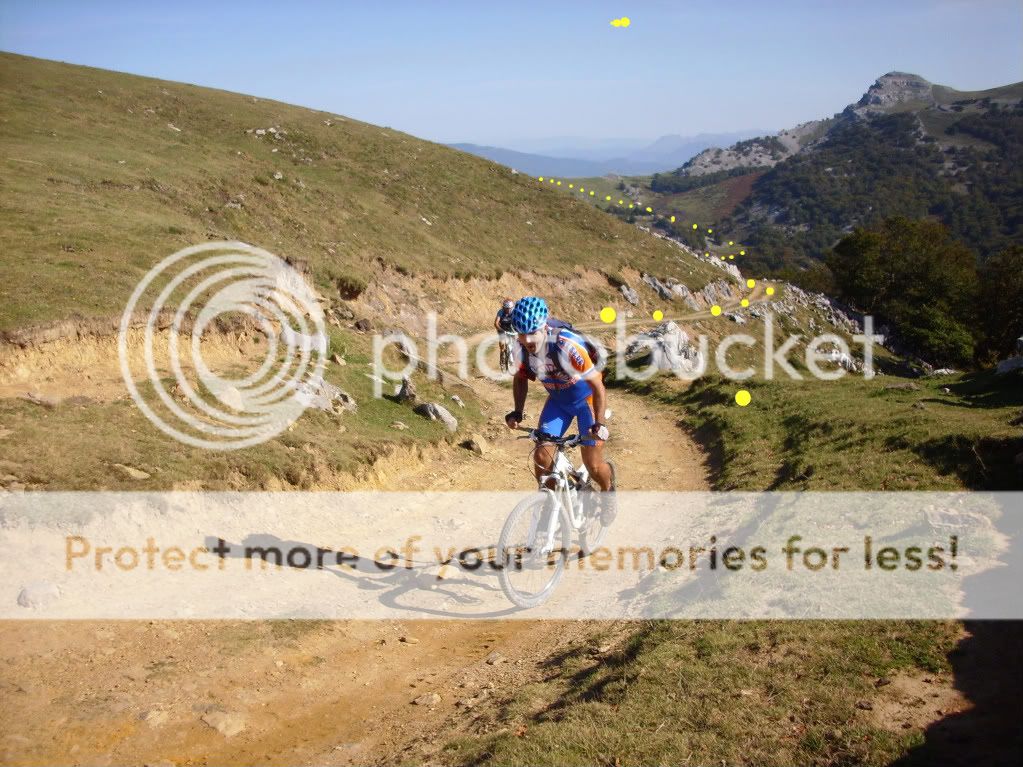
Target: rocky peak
x=896 y=88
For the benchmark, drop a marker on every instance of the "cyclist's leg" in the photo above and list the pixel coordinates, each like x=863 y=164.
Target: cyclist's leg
x=553 y=421
x=592 y=449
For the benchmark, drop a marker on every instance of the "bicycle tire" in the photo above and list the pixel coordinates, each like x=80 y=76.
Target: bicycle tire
x=508 y=549
x=593 y=532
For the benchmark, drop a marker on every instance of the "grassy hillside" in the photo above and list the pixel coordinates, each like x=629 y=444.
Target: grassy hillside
x=794 y=692
x=106 y=173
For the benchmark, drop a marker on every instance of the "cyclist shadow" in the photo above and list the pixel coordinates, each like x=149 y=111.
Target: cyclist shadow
x=397 y=584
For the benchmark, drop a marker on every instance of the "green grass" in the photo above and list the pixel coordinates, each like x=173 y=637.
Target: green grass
x=97 y=187
x=74 y=446
x=772 y=692
x=716 y=692
x=853 y=434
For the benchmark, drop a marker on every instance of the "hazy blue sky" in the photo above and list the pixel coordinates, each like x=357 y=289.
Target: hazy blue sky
x=500 y=72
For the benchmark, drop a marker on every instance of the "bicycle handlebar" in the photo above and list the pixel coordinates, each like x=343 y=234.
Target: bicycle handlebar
x=572 y=440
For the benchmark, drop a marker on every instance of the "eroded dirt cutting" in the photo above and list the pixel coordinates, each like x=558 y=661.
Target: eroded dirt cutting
x=337 y=692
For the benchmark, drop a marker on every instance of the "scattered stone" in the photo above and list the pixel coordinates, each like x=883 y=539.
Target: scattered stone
x=477 y=444
x=408 y=640
x=686 y=295
x=457 y=400
x=407 y=392
x=38 y=594
x=629 y=294
x=882 y=682
x=363 y=325
x=662 y=290
x=232 y=397
x=494 y=658
x=864 y=705
x=436 y=412
x=131 y=472
x=945 y=390
x=908 y=386
x=1009 y=365
x=429 y=699
x=38 y=399
x=278 y=175
x=467 y=703
x=321 y=395
x=155 y=717
x=919 y=406
x=399 y=425
x=738 y=319
x=173 y=127
x=944 y=372
x=337 y=359
x=226 y=723
x=668 y=346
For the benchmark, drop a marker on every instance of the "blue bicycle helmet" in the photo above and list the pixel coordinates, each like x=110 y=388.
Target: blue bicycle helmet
x=529 y=314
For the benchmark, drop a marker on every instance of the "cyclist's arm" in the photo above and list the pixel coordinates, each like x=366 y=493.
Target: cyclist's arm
x=497 y=323
x=520 y=385
x=596 y=382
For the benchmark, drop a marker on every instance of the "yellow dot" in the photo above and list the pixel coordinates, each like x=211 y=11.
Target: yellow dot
x=625 y=20
x=695 y=226
x=706 y=254
x=770 y=291
x=658 y=315
x=649 y=210
x=581 y=189
x=742 y=252
x=715 y=310
x=630 y=204
x=608 y=198
x=730 y=242
x=571 y=186
x=620 y=202
x=710 y=231
x=559 y=183
x=750 y=283
x=616 y=22
x=672 y=219
x=591 y=194
x=722 y=258
x=551 y=180
x=742 y=398
x=607 y=315
x=540 y=178
x=744 y=303
x=731 y=256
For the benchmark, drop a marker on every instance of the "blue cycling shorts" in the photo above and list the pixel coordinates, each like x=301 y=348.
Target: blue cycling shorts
x=557 y=416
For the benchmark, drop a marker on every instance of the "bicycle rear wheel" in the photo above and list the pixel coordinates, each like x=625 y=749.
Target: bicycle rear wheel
x=528 y=574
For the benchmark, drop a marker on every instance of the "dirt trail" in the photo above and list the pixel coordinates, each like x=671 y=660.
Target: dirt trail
x=339 y=692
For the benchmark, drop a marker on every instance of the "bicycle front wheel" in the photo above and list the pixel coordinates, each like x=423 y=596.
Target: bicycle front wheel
x=593 y=531
x=530 y=561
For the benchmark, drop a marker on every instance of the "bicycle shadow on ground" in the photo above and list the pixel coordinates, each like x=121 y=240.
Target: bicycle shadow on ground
x=397 y=585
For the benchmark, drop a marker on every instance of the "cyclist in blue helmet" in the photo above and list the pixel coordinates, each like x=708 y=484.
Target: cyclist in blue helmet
x=559 y=357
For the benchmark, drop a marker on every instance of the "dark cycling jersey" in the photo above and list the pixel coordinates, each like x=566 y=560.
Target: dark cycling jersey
x=504 y=319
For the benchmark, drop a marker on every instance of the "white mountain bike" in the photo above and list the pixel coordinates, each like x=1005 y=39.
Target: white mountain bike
x=536 y=539
x=507 y=345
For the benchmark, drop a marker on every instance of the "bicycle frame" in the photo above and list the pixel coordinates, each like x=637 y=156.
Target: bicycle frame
x=563 y=494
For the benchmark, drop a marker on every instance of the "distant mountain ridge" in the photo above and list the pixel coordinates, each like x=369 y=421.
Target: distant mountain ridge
x=907 y=147
x=663 y=154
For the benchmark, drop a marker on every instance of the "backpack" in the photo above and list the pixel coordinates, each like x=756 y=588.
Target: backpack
x=597 y=354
